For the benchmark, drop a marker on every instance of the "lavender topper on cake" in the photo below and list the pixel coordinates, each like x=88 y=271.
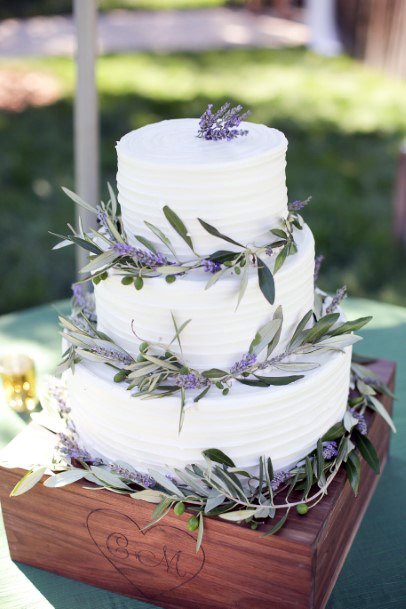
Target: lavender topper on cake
x=223 y=124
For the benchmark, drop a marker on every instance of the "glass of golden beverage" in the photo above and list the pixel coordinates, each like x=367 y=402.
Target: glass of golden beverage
x=17 y=373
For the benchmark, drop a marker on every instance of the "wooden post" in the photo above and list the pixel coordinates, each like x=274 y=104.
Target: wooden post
x=86 y=121
x=320 y=17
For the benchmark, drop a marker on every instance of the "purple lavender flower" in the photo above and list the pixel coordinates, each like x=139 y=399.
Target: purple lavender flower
x=317 y=266
x=144 y=257
x=84 y=300
x=206 y=118
x=269 y=251
x=123 y=249
x=223 y=124
x=82 y=323
x=191 y=381
x=69 y=448
x=150 y=259
x=370 y=380
x=362 y=424
x=57 y=392
x=274 y=360
x=337 y=298
x=298 y=205
x=112 y=354
x=248 y=360
x=329 y=450
x=210 y=266
x=278 y=479
x=102 y=219
x=132 y=476
x=77 y=290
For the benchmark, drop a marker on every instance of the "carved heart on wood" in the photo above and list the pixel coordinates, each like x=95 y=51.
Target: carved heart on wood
x=154 y=561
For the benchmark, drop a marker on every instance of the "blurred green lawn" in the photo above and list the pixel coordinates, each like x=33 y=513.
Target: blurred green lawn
x=31 y=8
x=344 y=124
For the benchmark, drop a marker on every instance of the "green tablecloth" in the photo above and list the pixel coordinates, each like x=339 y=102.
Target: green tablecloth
x=373 y=576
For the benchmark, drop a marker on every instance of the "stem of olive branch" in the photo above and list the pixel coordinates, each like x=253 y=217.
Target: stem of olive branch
x=319 y=493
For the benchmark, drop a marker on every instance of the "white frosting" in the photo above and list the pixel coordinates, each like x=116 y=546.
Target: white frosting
x=238 y=186
x=218 y=334
x=283 y=422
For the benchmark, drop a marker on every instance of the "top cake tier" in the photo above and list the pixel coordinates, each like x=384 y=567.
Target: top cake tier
x=238 y=186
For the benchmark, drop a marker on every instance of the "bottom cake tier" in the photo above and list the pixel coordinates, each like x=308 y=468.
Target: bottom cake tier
x=283 y=422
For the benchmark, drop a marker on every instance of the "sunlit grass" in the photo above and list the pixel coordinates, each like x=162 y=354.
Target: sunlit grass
x=294 y=84
x=162 y=4
x=344 y=124
x=31 y=8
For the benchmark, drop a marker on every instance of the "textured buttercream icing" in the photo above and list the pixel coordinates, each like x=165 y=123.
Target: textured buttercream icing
x=239 y=186
x=218 y=333
x=283 y=422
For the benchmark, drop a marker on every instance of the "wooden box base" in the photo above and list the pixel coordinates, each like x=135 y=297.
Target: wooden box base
x=96 y=537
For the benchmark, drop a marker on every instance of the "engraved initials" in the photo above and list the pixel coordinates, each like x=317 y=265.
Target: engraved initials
x=117 y=545
x=155 y=561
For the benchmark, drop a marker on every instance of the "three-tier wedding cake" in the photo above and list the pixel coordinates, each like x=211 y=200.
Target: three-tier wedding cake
x=205 y=373
x=206 y=330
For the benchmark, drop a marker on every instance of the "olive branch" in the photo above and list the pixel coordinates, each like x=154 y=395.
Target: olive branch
x=160 y=370
x=109 y=249
x=216 y=487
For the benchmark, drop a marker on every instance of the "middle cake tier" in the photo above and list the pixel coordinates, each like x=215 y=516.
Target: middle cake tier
x=218 y=332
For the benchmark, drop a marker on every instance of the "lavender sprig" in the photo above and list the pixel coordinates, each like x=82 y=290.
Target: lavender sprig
x=69 y=449
x=248 y=360
x=298 y=205
x=84 y=301
x=210 y=266
x=330 y=450
x=337 y=298
x=144 y=257
x=278 y=479
x=133 y=476
x=112 y=354
x=191 y=381
x=102 y=219
x=317 y=266
x=57 y=391
x=223 y=124
x=362 y=424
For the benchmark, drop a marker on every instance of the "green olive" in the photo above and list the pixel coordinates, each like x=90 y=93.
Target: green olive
x=179 y=508
x=193 y=523
x=138 y=283
x=120 y=376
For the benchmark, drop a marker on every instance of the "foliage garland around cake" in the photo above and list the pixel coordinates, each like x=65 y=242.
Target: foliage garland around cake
x=216 y=487
x=158 y=371
x=109 y=248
